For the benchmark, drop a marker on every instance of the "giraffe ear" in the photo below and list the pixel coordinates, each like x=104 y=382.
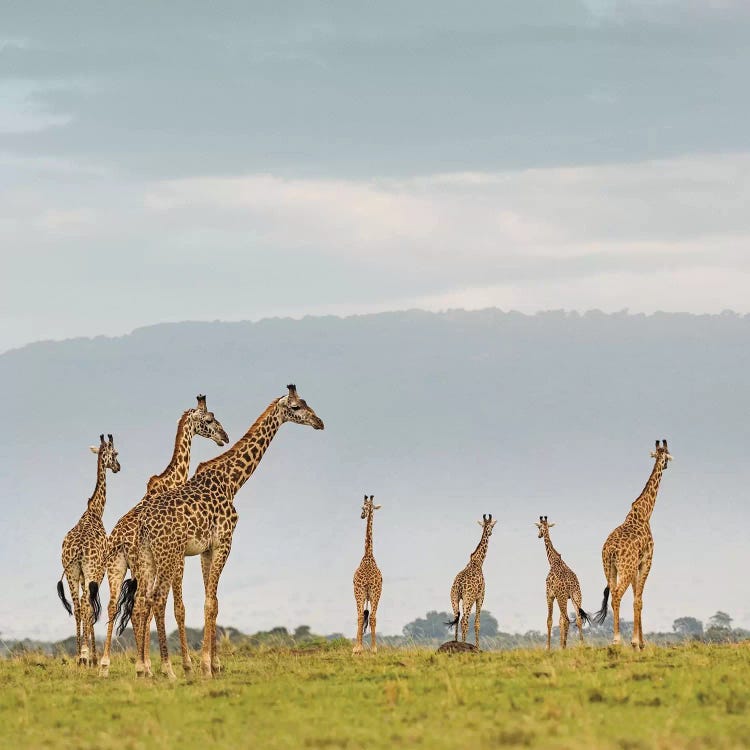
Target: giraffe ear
x=94 y=449
x=481 y=523
x=550 y=525
x=377 y=507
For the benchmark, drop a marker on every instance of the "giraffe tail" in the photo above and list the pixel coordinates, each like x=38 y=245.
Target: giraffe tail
x=367 y=619
x=96 y=604
x=601 y=615
x=453 y=623
x=585 y=617
x=125 y=604
x=61 y=594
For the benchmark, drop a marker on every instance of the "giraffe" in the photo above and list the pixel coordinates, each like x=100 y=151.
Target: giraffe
x=196 y=421
x=199 y=518
x=629 y=550
x=468 y=585
x=368 y=582
x=562 y=584
x=83 y=551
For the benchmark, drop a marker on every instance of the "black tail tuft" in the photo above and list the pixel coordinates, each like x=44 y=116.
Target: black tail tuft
x=125 y=603
x=601 y=615
x=367 y=619
x=96 y=604
x=585 y=617
x=61 y=594
x=453 y=623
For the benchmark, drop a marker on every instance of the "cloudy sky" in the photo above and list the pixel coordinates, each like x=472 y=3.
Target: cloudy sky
x=240 y=160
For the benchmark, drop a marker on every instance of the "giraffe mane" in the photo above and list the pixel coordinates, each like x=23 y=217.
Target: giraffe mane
x=205 y=465
x=181 y=425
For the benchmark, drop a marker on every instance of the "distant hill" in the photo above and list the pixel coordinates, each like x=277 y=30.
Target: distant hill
x=442 y=416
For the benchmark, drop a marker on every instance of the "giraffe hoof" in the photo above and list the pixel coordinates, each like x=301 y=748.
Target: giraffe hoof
x=374 y=650
x=357 y=649
x=103 y=671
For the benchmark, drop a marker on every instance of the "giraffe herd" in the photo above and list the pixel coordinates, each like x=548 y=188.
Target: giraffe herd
x=181 y=516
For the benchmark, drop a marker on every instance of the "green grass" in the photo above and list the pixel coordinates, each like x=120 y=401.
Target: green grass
x=683 y=697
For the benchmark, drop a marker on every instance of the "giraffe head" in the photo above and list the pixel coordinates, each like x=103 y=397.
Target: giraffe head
x=487 y=524
x=107 y=453
x=295 y=409
x=205 y=424
x=543 y=526
x=662 y=453
x=368 y=507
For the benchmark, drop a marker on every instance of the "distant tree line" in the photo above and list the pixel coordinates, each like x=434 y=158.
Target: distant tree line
x=430 y=630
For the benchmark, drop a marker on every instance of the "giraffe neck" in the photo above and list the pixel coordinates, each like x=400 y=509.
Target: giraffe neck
x=368 y=534
x=239 y=462
x=552 y=554
x=478 y=555
x=99 y=498
x=176 y=473
x=643 y=505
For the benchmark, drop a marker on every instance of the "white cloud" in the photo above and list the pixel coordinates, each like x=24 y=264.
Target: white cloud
x=621 y=209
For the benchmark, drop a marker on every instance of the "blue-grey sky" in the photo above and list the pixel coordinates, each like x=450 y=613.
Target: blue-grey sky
x=238 y=160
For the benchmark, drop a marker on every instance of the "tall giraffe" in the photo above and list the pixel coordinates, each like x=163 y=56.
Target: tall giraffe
x=122 y=540
x=468 y=585
x=199 y=518
x=629 y=550
x=83 y=552
x=562 y=584
x=368 y=582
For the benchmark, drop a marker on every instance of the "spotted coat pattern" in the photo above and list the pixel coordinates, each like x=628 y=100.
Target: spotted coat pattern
x=368 y=583
x=628 y=552
x=84 y=549
x=122 y=541
x=199 y=518
x=562 y=584
x=468 y=585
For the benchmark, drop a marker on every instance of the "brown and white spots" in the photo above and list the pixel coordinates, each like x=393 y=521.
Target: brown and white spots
x=200 y=517
x=368 y=583
x=628 y=552
x=84 y=551
x=562 y=584
x=122 y=541
x=468 y=585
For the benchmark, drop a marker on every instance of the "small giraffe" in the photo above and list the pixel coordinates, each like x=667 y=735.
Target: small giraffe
x=368 y=582
x=122 y=540
x=468 y=586
x=629 y=550
x=199 y=518
x=562 y=584
x=83 y=552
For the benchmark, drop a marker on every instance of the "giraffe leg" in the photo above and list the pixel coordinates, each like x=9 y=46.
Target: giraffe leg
x=550 y=605
x=617 y=593
x=206 y=558
x=116 y=569
x=465 y=620
x=159 y=608
x=374 y=599
x=211 y=606
x=141 y=619
x=477 y=617
x=638 y=585
x=564 y=624
x=179 y=615
x=361 y=599
x=72 y=576
x=87 y=618
x=455 y=606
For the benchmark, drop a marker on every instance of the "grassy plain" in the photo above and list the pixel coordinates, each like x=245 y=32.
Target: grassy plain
x=695 y=696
